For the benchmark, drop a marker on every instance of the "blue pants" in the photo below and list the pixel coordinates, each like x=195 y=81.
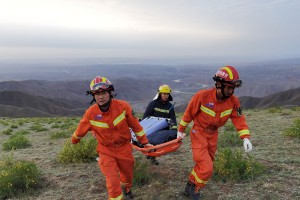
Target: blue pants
x=163 y=136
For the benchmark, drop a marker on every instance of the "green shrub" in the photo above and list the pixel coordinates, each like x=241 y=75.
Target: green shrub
x=229 y=139
x=55 y=126
x=232 y=165
x=65 y=126
x=7 y=131
x=22 y=132
x=13 y=126
x=3 y=122
x=296 y=108
x=142 y=174
x=84 y=151
x=294 y=130
x=20 y=123
x=188 y=130
x=72 y=128
x=16 y=142
x=60 y=134
x=17 y=177
x=229 y=127
x=38 y=128
x=275 y=110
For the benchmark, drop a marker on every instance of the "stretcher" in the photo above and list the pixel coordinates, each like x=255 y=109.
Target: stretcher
x=160 y=149
x=154 y=124
x=151 y=126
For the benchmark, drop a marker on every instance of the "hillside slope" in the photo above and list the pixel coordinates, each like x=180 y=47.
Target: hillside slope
x=281 y=99
x=16 y=102
x=13 y=111
x=84 y=181
x=131 y=89
x=289 y=98
x=12 y=101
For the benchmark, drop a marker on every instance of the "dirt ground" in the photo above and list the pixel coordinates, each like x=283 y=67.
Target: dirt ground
x=280 y=155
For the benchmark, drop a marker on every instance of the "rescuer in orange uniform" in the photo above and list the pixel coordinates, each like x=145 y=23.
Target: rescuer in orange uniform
x=109 y=120
x=209 y=110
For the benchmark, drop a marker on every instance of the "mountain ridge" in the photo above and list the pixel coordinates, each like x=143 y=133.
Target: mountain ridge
x=285 y=98
x=20 y=104
x=259 y=79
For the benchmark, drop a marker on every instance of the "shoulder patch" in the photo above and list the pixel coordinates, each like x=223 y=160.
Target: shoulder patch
x=239 y=111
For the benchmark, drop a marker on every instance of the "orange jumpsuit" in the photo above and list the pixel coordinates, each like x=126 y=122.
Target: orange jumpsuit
x=112 y=132
x=208 y=115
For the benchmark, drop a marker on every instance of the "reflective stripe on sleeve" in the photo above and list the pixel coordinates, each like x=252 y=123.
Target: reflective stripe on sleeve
x=244 y=132
x=183 y=123
x=75 y=136
x=141 y=133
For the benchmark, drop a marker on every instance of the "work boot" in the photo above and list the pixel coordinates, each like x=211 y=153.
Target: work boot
x=153 y=160
x=186 y=189
x=127 y=195
x=189 y=191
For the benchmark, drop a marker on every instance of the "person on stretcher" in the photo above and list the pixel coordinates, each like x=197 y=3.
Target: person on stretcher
x=160 y=106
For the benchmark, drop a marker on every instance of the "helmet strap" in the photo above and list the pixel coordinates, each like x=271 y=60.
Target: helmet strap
x=222 y=87
x=93 y=100
x=112 y=95
x=105 y=107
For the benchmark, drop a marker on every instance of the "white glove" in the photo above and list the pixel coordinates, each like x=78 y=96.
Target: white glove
x=247 y=145
x=180 y=135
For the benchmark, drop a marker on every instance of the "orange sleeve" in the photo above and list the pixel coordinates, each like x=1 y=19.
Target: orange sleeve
x=190 y=112
x=134 y=124
x=84 y=125
x=239 y=120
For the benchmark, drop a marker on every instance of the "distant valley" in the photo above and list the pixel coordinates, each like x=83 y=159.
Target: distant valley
x=61 y=92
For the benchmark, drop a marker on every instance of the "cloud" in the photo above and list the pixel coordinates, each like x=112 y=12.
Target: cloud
x=147 y=28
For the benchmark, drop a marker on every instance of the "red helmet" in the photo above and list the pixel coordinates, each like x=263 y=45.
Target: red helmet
x=101 y=84
x=228 y=75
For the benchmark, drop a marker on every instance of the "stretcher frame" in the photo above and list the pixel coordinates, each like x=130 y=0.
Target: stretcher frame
x=161 y=149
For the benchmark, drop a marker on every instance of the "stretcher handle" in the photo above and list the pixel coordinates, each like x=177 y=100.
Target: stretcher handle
x=154 y=148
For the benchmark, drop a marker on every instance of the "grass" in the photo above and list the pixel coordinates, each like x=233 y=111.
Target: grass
x=278 y=153
x=60 y=134
x=236 y=166
x=16 y=142
x=141 y=173
x=294 y=130
x=17 y=177
x=84 y=151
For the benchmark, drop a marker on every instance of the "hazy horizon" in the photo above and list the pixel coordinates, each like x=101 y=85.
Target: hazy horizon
x=138 y=31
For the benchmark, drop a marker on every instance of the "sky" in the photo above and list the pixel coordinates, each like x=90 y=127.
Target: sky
x=136 y=30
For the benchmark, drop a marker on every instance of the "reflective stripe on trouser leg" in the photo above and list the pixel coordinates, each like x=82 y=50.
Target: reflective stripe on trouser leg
x=108 y=166
x=203 y=156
